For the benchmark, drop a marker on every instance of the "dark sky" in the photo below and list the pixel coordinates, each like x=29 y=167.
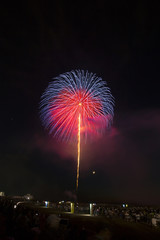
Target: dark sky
x=120 y=43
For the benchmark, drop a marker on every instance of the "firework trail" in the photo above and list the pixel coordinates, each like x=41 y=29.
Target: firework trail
x=76 y=103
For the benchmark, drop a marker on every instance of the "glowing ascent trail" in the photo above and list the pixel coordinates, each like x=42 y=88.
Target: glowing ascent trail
x=78 y=148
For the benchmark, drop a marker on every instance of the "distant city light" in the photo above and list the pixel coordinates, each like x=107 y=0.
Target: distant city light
x=125 y=205
x=94 y=172
x=28 y=196
x=46 y=203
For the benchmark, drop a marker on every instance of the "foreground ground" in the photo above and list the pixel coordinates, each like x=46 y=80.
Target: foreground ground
x=113 y=229
x=21 y=221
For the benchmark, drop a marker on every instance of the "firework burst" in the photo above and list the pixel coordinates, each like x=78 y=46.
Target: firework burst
x=76 y=103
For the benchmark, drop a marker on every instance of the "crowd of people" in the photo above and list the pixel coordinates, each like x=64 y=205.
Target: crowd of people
x=132 y=214
x=19 y=221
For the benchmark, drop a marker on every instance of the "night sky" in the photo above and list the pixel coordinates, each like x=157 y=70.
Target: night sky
x=117 y=41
